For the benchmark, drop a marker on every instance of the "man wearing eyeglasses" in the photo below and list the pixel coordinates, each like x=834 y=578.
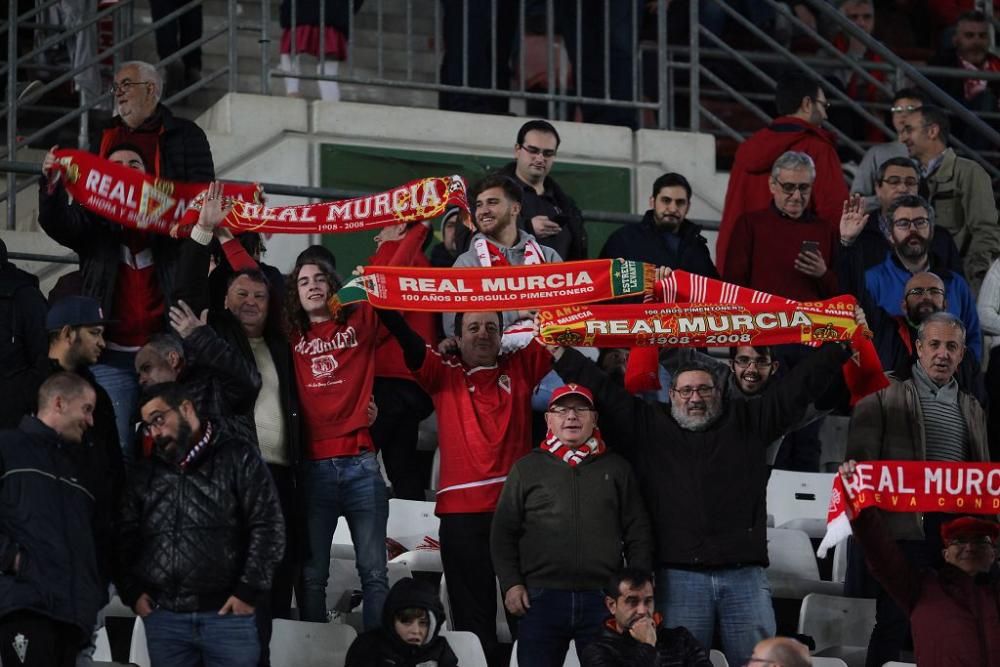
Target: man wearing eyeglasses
x=701 y=469
x=909 y=226
x=802 y=108
x=959 y=189
x=785 y=249
x=568 y=512
x=925 y=417
x=199 y=536
x=547 y=212
x=954 y=610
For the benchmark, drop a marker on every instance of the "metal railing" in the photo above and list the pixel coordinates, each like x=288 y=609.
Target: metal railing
x=538 y=55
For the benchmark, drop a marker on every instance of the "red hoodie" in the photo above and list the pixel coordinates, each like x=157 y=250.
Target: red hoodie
x=748 y=179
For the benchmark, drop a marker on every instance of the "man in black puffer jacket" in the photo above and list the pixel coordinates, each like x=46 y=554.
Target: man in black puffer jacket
x=200 y=536
x=412 y=619
x=50 y=588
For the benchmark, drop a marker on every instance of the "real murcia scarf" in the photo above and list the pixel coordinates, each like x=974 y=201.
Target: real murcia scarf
x=911 y=486
x=574 y=456
x=519 y=333
x=526 y=287
x=140 y=201
x=695 y=311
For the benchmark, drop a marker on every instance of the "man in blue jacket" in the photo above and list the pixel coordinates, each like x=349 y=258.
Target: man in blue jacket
x=50 y=589
x=909 y=223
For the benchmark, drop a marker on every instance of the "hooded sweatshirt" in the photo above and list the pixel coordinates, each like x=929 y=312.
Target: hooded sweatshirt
x=748 y=179
x=382 y=647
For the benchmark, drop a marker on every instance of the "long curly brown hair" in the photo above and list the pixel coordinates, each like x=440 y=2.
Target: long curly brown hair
x=296 y=319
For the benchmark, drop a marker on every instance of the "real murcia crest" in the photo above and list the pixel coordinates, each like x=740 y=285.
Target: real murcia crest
x=155 y=199
x=20 y=644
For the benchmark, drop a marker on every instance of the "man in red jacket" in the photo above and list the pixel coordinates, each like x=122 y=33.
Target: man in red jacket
x=802 y=105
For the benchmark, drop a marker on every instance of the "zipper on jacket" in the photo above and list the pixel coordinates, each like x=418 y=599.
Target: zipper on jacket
x=577 y=520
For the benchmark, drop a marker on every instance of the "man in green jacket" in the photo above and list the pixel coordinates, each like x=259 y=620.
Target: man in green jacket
x=568 y=512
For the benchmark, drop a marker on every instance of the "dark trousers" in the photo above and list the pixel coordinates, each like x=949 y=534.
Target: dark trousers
x=402 y=405
x=476 y=48
x=472 y=583
x=279 y=603
x=554 y=619
x=176 y=34
x=41 y=641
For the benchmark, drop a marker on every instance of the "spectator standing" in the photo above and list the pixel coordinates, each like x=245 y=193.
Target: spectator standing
x=959 y=190
x=50 y=588
x=802 y=108
x=970 y=50
x=695 y=464
x=334 y=362
x=866 y=178
x=477 y=53
x=547 y=212
x=862 y=14
x=988 y=308
x=410 y=634
x=300 y=34
x=952 y=609
x=200 y=536
x=22 y=337
x=634 y=635
x=924 y=418
x=174 y=35
x=483 y=404
x=910 y=226
x=568 y=512
x=785 y=249
x=665 y=237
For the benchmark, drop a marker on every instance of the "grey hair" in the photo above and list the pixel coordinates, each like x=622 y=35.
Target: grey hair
x=149 y=73
x=164 y=343
x=694 y=365
x=794 y=160
x=942 y=317
x=905 y=201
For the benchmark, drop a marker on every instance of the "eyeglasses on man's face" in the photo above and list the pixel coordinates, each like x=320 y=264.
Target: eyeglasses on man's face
x=903 y=224
x=547 y=153
x=564 y=410
x=920 y=291
x=896 y=181
x=790 y=188
x=904 y=108
x=704 y=391
x=157 y=421
x=745 y=362
x=125 y=84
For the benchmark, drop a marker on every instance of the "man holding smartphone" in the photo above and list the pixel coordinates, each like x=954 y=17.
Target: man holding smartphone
x=785 y=249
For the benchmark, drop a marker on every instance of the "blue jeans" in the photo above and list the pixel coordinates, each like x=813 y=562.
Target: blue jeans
x=351 y=486
x=201 y=638
x=115 y=372
x=739 y=598
x=554 y=618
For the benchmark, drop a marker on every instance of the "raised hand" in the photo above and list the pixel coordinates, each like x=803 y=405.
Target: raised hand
x=853 y=218
x=184 y=321
x=49 y=165
x=214 y=208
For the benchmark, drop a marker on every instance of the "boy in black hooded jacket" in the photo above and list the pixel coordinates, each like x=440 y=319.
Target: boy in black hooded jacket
x=410 y=634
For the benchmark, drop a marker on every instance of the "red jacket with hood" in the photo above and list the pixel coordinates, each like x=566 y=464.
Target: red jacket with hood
x=751 y=170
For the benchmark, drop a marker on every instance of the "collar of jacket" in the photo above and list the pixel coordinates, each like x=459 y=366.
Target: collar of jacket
x=933 y=266
x=945 y=170
x=947 y=394
x=549 y=185
x=807 y=216
x=687 y=230
x=796 y=124
x=38 y=429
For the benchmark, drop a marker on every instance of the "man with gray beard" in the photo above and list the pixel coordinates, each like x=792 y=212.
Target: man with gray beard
x=703 y=476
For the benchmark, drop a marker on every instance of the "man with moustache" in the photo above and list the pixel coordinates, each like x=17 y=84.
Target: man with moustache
x=909 y=225
x=697 y=461
x=665 y=237
x=200 y=536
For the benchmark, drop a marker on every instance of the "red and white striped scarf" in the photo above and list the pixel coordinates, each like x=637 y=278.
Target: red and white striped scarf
x=574 y=456
x=519 y=333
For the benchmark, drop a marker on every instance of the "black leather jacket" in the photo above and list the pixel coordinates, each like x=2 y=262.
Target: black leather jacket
x=191 y=537
x=675 y=647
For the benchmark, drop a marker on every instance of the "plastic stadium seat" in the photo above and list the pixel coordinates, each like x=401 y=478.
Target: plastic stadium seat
x=138 y=653
x=839 y=573
x=821 y=661
x=834 y=621
x=102 y=647
x=344 y=577
x=572 y=659
x=718 y=658
x=503 y=630
x=899 y=664
x=302 y=644
x=466 y=646
x=116 y=608
x=793 y=572
x=801 y=498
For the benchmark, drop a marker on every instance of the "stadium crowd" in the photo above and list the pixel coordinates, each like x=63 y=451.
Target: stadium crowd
x=186 y=424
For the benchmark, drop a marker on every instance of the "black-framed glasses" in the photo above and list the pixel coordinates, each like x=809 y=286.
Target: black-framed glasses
x=563 y=410
x=704 y=391
x=823 y=103
x=905 y=108
x=904 y=224
x=535 y=150
x=896 y=181
x=920 y=291
x=157 y=421
x=744 y=362
x=123 y=86
x=790 y=188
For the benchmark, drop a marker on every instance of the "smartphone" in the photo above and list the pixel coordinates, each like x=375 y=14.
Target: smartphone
x=810 y=246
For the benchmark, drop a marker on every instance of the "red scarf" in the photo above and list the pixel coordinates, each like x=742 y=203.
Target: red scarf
x=574 y=456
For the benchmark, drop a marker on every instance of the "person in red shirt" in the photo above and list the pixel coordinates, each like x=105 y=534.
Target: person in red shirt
x=483 y=404
x=802 y=106
x=334 y=361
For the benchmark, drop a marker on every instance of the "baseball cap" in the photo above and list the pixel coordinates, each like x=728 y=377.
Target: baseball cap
x=572 y=389
x=74 y=311
x=968 y=526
